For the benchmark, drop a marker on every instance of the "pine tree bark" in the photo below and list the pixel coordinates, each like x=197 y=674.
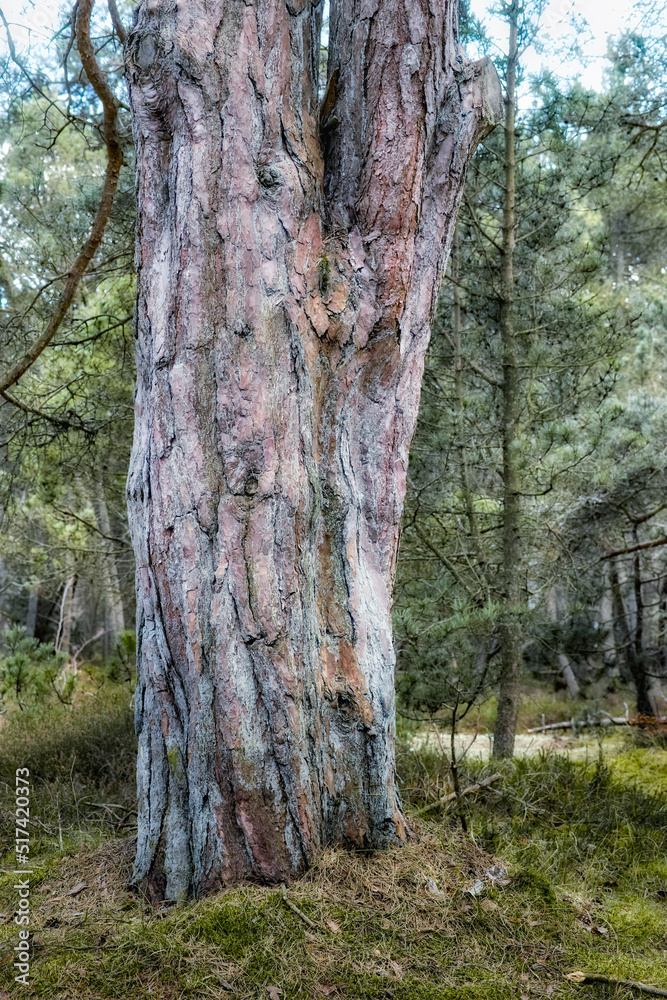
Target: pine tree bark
x=288 y=261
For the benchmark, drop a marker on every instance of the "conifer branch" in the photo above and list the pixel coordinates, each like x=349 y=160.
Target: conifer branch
x=114 y=163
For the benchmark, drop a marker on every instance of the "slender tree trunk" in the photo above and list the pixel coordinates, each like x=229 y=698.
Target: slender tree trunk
x=662 y=625
x=635 y=664
x=639 y=600
x=288 y=261
x=656 y=663
x=66 y=614
x=114 y=616
x=610 y=656
x=510 y=628
x=621 y=628
x=652 y=696
x=471 y=514
x=569 y=675
x=31 y=616
x=557 y=609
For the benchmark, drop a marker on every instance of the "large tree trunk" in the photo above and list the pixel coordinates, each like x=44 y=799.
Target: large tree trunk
x=288 y=264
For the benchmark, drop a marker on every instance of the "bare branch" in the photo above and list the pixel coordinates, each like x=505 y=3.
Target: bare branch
x=116 y=21
x=91 y=527
x=473 y=367
x=484 y=783
x=477 y=225
x=593 y=977
x=633 y=548
x=58 y=421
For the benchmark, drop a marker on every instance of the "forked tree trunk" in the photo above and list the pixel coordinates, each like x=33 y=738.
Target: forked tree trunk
x=288 y=264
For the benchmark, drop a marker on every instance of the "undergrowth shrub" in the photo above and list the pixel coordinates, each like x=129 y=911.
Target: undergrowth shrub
x=82 y=767
x=565 y=819
x=30 y=671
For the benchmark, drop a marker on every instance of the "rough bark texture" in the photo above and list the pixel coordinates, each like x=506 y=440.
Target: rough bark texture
x=288 y=261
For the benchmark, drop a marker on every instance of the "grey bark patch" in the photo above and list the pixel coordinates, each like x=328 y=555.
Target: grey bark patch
x=146 y=51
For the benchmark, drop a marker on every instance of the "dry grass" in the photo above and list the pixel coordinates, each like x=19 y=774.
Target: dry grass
x=585 y=846
x=380 y=930
x=106 y=873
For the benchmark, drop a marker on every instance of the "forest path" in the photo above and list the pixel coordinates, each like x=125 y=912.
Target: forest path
x=526 y=744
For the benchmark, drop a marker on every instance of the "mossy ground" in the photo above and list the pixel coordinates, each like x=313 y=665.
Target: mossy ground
x=584 y=846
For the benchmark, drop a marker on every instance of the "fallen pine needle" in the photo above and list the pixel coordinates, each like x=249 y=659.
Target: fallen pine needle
x=593 y=977
x=452 y=795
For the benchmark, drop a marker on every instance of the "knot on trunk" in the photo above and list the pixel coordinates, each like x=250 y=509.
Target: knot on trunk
x=152 y=73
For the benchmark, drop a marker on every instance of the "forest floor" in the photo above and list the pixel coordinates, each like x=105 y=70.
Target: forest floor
x=581 y=846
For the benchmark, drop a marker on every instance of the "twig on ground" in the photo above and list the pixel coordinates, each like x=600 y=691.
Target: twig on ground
x=452 y=795
x=295 y=909
x=594 y=977
x=605 y=720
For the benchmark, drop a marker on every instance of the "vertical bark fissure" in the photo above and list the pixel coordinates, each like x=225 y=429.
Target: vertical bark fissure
x=274 y=414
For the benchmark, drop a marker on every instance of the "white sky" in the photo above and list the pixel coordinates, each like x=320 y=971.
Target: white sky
x=588 y=22
x=31 y=21
x=603 y=17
